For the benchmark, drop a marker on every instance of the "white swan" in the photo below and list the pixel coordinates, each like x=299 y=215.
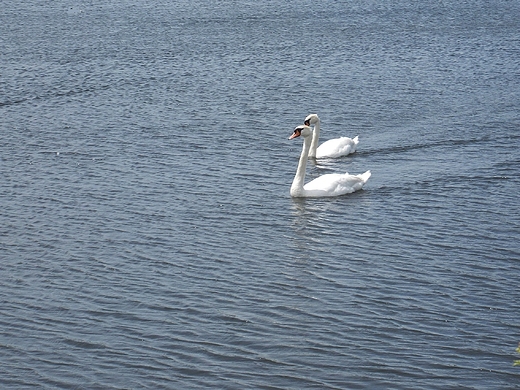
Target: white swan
x=332 y=184
x=332 y=148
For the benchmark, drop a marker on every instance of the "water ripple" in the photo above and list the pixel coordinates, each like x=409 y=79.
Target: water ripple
x=147 y=236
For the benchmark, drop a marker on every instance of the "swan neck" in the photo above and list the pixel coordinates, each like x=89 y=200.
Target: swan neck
x=299 y=178
x=315 y=139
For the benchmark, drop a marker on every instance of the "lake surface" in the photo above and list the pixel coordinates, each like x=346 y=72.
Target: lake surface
x=147 y=235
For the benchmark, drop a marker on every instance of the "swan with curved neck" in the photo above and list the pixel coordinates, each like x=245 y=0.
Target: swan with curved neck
x=333 y=184
x=332 y=148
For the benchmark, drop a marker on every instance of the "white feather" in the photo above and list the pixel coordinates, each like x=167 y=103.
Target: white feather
x=333 y=184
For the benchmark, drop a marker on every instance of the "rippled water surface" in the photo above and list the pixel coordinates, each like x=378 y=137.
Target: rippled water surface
x=147 y=235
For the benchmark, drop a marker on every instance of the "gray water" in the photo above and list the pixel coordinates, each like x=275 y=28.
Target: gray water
x=147 y=235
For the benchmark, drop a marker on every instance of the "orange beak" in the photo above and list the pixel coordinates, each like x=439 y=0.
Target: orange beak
x=297 y=133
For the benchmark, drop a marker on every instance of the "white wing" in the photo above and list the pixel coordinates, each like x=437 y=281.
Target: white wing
x=337 y=147
x=335 y=184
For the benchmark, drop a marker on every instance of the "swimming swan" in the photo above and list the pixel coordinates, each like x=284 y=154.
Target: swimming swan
x=332 y=184
x=332 y=148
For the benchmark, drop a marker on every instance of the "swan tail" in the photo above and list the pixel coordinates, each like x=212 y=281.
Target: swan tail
x=365 y=176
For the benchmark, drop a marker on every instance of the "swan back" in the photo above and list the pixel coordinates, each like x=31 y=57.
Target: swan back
x=337 y=147
x=335 y=184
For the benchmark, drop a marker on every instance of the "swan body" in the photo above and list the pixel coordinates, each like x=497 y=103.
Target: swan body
x=333 y=184
x=332 y=148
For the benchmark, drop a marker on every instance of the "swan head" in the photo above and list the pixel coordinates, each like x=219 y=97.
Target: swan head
x=311 y=119
x=303 y=130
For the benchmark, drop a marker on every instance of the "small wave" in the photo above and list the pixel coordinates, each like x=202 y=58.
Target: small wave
x=408 y=148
